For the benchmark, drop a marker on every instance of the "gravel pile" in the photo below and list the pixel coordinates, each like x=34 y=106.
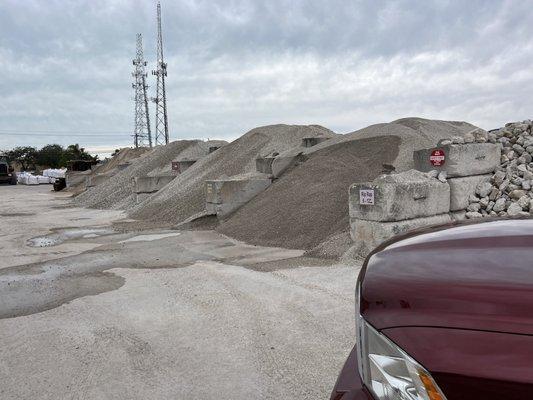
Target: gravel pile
x=117 y=191
x=192 y=153
x=307 y=208
x=185 y=195
x=509 y=192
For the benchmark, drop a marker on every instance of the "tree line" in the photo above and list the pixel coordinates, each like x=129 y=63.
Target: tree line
x=51 y=155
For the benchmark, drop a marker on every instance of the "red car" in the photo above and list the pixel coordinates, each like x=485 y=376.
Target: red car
x=445 y=314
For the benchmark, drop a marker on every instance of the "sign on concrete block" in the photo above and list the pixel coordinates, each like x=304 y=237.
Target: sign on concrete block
x=366 y=197
x=437 y=157
x=176 y=166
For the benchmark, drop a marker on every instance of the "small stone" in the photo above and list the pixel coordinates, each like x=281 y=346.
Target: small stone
x=442 y=176
x=473 y=207
x=494 y=194
x=504 y=185
x=527 y=158
x=445 y=142
x=511 y=155
x=473 y=215
x=433 y=173
x=483 y=189
x=514 y=209
x=529 y=149
x=484 y=202
x=490 y=206
x=531 y=206
x=523 y=202
x=469 y=138
x=516 y=194
x=498 y=178
x=499 y=206
x=526 y=185
x=458 y=140
x=493 y=214
x=480 y=135
x=518 y=149
x=492 y=137
x=473 y=199
x=502 y=214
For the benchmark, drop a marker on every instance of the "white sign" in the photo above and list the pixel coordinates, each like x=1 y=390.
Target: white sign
x=366 y=196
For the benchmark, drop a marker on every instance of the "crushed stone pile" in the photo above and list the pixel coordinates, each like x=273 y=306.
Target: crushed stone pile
x=117 y=191
x=110 y=166
x=510 y=190
x=192 y=153
x=185 y=195
x=307 y=208
x=124 y=156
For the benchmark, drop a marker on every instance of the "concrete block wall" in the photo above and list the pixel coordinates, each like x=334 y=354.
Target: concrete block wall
x=465 y=165
x=394 y=204
x=145 y=186
x=435 y=193
x=224 y=196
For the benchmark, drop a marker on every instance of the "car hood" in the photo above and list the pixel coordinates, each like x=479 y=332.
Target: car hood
x=475 y=276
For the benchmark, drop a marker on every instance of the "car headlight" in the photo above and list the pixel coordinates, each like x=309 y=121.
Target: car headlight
x=387 y=371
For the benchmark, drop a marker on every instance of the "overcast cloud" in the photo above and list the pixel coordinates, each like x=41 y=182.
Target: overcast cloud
x=65 y=66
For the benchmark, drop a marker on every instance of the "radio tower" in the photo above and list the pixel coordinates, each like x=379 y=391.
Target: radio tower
x=160 y=99
x=142 y=136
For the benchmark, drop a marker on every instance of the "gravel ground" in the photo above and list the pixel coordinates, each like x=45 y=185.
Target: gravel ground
x=168 y=314
x=185 y=195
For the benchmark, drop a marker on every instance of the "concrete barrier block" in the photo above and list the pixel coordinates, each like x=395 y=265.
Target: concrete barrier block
x=95 y=180
x=398 y=197
x=223 y=196
x=151 y=184
x=459 y=159
x=367 y=235
x=462 y=188
x=264 y=164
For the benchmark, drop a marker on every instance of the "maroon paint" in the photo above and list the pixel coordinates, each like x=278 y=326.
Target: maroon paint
x=458 y=300
x=471 y=277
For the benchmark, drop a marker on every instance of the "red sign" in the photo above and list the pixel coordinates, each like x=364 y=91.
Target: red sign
x=175 y=166
x=437 y=158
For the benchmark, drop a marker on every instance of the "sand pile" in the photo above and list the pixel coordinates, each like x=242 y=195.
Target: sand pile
x=117 y=191
x=307 y=208
x=185 y=195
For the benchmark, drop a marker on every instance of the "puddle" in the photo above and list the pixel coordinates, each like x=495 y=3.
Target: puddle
x=61 y=235
x=149 y=238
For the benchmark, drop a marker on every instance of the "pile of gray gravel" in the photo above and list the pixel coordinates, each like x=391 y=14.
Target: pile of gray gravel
x=509 y=191
x=117 y=191
x=307 y=208
x=184 y=197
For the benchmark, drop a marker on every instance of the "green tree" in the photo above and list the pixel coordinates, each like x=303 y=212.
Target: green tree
x=51 y=155
x=26 y=156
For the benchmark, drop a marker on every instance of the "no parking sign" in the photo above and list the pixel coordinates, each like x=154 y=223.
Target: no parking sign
x=437 y=158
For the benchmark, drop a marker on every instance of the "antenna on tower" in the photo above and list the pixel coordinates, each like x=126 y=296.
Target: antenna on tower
x=160 y=99
x=142 y=135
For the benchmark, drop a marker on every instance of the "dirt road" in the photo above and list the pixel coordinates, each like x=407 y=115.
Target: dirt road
x=98 y=314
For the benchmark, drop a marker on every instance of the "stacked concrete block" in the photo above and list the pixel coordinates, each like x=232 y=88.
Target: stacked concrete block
x=459 y=159
x=468 y=164
x=145 y=186
x=394 y=204
x=224 y=196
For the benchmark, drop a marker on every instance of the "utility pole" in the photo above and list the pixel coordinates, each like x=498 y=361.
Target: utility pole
x=142 y=136
x=160 y=99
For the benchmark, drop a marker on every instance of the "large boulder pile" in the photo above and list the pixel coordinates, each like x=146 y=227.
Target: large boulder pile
x=509 y=191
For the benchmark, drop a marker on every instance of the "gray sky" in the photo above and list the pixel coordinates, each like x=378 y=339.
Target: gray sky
x=65 y=66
